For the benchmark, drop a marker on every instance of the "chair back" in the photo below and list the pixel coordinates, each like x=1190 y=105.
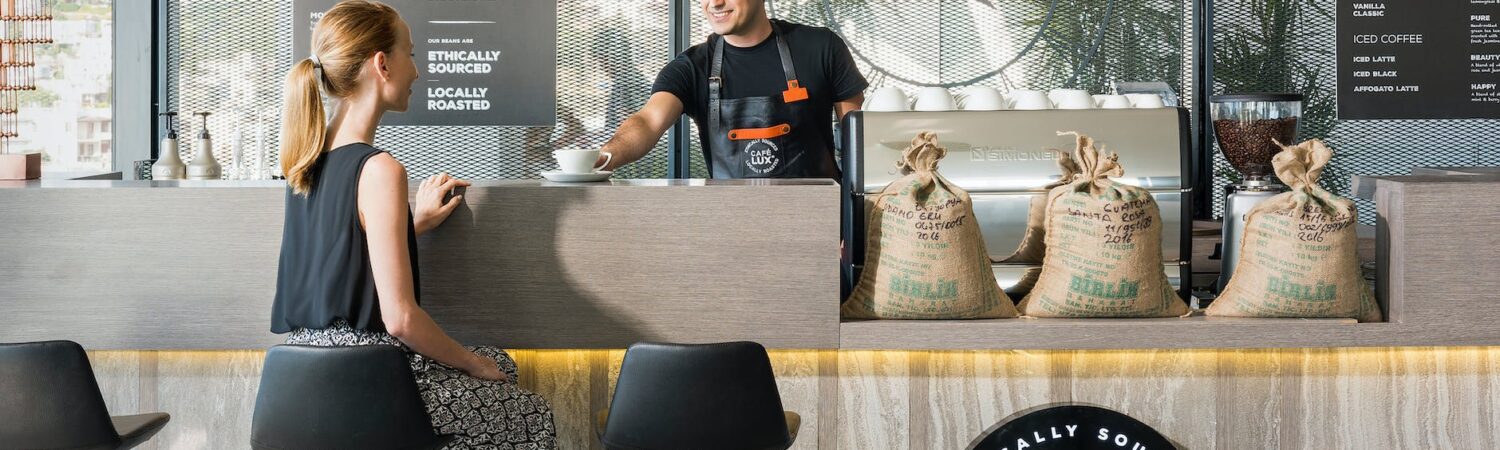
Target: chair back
x=50 y=399
x=678 y=396
x=361 y=397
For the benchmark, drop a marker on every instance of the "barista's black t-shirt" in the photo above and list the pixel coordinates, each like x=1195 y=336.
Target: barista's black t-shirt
x=822 y=60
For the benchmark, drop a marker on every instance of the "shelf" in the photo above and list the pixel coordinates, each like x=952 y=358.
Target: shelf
x=1027 y=333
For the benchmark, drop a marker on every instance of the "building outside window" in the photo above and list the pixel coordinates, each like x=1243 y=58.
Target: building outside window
x=68 y=117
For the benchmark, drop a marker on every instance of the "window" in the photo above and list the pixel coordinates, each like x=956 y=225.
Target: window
x=67 y=118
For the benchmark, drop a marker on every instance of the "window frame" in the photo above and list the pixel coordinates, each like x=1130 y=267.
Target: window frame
x=134 y=59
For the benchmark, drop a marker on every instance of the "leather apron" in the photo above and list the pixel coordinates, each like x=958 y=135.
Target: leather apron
x=765 y=137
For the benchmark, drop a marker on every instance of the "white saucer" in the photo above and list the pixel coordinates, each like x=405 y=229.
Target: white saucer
x=560 y=177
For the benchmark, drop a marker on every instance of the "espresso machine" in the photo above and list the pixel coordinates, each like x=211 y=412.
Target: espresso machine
x=1001 y=158
x=1247 y=127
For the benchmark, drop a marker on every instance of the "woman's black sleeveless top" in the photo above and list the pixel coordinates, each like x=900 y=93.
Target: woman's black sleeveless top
x=324 y=273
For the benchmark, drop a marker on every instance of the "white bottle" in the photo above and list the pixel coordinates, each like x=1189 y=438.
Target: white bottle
x=259 y=173
x=237 y=154
x=204 y=166
x=168 y=164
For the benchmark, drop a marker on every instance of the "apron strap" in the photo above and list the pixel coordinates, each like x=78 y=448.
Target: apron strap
x=715 y=82
x=794 y=91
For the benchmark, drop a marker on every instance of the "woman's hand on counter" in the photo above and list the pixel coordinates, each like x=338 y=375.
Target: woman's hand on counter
x=485 y=369
x=431 y=210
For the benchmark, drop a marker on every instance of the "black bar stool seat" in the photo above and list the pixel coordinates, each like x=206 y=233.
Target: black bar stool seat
x=682 y=396
x=50 y=399
x=360 y=397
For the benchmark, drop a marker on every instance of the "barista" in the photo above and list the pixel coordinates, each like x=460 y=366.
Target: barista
x=763 y=93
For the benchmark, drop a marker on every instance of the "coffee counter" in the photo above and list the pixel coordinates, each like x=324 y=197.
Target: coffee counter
x=522 y=264
x=567 y=275
x=537 y=265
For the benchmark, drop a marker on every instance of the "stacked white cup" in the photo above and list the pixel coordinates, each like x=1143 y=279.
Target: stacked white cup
x=889 y=98
x=982 y=98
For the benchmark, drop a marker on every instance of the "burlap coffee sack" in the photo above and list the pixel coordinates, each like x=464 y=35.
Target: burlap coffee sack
x=1033 y=245
x=1103 y=254
x=925 y=257
x=1298 y=257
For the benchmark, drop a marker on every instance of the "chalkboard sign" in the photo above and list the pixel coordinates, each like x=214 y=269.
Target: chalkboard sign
x=1418 y=59
x=482 y=62
x=1071 y=426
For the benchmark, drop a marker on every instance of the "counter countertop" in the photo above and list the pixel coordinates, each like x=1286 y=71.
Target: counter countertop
x=101 y=184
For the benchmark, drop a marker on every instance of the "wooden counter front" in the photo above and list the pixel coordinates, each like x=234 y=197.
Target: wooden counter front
x=523 y=264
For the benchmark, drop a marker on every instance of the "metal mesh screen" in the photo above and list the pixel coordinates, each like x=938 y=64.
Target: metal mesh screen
x=1289 y=46
x=1006 y=44
x=229 y=57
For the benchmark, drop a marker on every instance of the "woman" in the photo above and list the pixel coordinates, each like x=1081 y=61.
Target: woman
x=348 y=272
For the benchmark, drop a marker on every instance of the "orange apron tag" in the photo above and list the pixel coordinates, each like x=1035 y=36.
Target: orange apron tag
x=746 y=134
x=794 y=92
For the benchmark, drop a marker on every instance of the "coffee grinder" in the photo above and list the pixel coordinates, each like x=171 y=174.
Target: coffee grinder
x=1248 y=126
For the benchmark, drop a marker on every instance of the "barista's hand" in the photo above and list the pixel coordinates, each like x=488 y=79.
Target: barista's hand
x=485 y=369
x=430 y=210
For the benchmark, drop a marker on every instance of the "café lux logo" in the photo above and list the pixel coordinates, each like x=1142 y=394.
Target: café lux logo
x=1071 y=426
x=762 y=156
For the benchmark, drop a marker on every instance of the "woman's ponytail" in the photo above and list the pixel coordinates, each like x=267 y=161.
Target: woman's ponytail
x=303 y=126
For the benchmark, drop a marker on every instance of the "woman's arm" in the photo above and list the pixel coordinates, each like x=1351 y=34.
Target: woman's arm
x=382 y=211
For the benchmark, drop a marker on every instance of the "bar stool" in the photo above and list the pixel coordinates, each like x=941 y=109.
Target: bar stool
x=50 y=399
x=361 y=397
x=676 y=396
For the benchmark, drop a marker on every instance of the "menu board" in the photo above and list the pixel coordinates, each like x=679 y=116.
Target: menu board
x=1418 y=59
x=482 y=62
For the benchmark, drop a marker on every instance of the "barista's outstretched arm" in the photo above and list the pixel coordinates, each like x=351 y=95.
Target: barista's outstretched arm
x=639 y=133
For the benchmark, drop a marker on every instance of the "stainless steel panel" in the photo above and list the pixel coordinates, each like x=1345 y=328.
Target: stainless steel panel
x=1009 y=275
x=1002 y=220
x=1238 y=203
x=992 y=151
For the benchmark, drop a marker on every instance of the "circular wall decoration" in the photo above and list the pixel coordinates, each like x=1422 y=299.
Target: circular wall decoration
x=1071 y=426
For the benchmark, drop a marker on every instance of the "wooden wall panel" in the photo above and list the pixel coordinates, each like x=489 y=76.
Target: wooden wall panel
x=1221 y=399
x=1172 y=390
x=874 y=400
x=969 y=392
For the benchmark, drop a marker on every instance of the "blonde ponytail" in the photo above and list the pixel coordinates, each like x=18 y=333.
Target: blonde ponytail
x=346 y=36
x=304 y=126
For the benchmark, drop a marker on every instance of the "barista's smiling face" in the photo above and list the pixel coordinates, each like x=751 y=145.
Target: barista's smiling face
x=732 y=17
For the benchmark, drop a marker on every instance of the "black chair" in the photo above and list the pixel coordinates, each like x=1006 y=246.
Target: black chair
x=674 y=396
x=50 y=399
x=360 y=397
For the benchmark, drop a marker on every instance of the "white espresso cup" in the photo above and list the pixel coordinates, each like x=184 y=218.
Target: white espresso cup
x=572 y=161
x=1071 y=98
x=1027 y=99
x=933 y=98
x=1145 y=101
x=889 y=98
x=1112 y=101
x=982 y=98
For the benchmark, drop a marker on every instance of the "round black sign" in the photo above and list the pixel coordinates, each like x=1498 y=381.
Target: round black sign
x=1071 y=426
